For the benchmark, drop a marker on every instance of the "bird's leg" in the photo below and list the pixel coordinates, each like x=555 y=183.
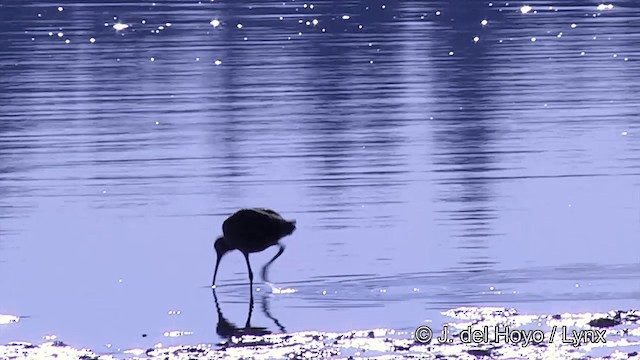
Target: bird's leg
x=246 y=257
x=247 y=325
x=264 y=269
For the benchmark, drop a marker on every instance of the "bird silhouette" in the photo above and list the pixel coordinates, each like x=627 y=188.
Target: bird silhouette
x=251 y=231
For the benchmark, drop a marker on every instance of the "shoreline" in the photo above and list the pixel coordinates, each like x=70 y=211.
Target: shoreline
x=479 y=332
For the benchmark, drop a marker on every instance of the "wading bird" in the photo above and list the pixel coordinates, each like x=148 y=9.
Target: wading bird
x=251 y=231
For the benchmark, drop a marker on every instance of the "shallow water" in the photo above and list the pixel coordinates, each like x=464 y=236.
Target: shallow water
x=426 y=171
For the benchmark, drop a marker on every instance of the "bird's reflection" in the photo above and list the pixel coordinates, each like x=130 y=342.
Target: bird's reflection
x=227 y=329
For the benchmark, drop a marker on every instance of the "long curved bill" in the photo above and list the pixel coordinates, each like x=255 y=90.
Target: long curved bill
x=215 y=273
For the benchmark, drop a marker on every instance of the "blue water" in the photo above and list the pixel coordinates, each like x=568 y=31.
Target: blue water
x=425 y=170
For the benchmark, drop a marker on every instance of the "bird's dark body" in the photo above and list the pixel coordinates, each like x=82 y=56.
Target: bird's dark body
x=250 y=231
x=253 y=230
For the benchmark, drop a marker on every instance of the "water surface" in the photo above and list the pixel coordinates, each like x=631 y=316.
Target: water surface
x=426 y=169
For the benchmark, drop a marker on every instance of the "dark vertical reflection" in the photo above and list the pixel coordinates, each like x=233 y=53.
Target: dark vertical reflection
x=331 y=144
x=12 y=146
x=228 y=135
x=354 y=130
x=5 y=171
x=465 y=134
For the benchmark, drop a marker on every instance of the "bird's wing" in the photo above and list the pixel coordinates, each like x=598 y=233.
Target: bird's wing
x=269 y=211
x=252 y=222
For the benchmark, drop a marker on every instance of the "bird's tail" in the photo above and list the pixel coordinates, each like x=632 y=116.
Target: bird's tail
x=291 y=226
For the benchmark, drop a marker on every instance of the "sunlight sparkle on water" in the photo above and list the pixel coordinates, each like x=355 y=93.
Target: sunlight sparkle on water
x=605 y=6
x=476 y=39
x=135 y=352
x=283 y=291
x=346 y=17
x=92 y=40
x=218 y=62
x=525 y=9
x=215 y=23
x=8 y=319
x=60 y=8
x=277 y=290
x=484 y=22
x=176 y=333
x=120 y=26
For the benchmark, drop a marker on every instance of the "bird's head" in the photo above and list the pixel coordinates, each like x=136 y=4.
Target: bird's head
x=221 y=246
